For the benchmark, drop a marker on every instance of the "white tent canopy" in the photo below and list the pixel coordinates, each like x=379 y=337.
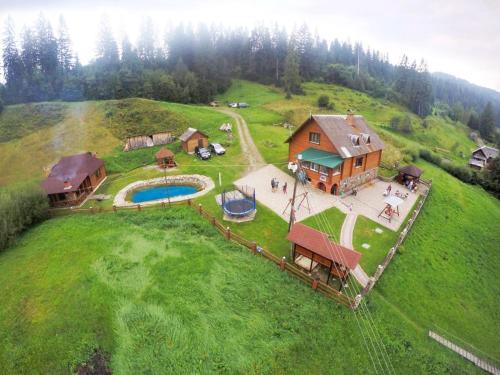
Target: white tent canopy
x=393 y=201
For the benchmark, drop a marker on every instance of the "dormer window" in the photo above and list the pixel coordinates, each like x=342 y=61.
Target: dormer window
x=366 y=138
x=354 y=139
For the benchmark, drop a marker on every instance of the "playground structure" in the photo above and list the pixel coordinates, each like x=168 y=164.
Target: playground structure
x=239 y=204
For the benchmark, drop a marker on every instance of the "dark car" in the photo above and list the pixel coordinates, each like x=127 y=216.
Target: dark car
x=202 y=153
x=217 y=149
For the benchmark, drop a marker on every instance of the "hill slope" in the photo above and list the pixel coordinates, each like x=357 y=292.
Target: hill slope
x=36 y=136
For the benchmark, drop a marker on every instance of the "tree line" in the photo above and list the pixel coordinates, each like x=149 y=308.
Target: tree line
x=192 y=65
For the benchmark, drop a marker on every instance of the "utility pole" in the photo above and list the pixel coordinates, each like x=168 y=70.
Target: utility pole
x=292 y=209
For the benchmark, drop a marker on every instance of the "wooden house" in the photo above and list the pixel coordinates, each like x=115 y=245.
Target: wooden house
x=193 y=138
x=338 y=152
x=317 y=249
x=73 y=178
x=483 y=157
x=165 y=158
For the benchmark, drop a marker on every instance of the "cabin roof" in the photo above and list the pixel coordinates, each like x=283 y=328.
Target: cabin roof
x=342 y=134
x=73 y=170
x=488 y=152
x=319 y=243
x=189 y=133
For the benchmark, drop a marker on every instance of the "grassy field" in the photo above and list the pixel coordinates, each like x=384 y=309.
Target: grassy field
x=162 y=292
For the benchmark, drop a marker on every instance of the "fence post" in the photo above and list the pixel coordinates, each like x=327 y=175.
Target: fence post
x=138 y=207
x=114 y=208
x=378 y=272
x=282 y=263
x=91 y=209
x=315 y=284
x=254 y=247
x=228 y=233
x=356 y=302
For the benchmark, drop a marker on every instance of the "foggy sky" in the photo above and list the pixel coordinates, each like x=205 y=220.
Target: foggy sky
x=459 y=37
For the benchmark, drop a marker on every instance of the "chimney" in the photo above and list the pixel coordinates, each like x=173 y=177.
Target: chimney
x=350 y=118
x=67 y=184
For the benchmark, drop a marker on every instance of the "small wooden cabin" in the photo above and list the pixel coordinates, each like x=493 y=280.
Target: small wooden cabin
x=73 y=179
x=165 y=158
x=193 y=138
x=320 y=250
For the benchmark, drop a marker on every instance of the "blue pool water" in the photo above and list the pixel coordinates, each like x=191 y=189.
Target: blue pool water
x=161 y=192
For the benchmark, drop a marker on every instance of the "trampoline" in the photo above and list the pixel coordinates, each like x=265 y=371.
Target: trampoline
x=239 y=203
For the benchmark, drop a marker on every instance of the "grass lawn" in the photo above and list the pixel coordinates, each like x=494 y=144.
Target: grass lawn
x=380 y=243
x=333 y=216
x=162 y=292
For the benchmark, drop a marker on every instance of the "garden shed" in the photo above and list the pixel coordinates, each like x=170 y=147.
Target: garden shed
x=312 y=248
x=165 y=158
x=193 y=138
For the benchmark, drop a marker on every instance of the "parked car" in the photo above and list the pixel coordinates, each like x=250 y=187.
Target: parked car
x=217 y=149
x=202 y=153
x=243 y=105
x=233 y=105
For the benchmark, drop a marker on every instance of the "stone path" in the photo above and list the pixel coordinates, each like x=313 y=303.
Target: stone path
x=346 y=240
x=464 y=353
x=255 y=159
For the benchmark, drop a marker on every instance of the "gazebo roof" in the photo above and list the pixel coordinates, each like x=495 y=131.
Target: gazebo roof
x=411 y=170
x=164 y=153
x=319 y=243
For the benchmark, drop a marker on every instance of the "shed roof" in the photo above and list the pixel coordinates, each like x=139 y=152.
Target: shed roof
x=319 y=243
x=341 y=134
x=73 y=170
x=321 y=157
x=189 y=133
x=488 y=152
x=411 y=170
x=164 y=153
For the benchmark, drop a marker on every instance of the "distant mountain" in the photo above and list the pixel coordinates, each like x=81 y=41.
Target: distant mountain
x=453 y=90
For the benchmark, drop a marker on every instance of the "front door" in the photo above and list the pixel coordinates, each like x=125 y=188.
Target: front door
x=334 y=189
x=200 y=142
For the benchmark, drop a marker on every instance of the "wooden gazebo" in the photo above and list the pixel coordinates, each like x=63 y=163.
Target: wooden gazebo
x=165 y=158
x=315 y=248
x=409 y=172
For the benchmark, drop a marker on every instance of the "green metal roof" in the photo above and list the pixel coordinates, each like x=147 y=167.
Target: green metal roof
x=320 y=157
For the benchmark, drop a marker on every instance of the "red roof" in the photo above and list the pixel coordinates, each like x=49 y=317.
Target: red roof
x=164 y=153
x=73 y=170
x=319 y=243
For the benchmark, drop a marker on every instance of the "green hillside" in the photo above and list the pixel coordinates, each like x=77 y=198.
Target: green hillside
x=37 y=135
x=162 y=291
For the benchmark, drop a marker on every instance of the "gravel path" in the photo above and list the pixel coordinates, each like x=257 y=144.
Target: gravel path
x=346 y=240
x=255 y=159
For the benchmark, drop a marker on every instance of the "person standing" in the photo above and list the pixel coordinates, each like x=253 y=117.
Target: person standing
x=272 y=184
x=285 y=186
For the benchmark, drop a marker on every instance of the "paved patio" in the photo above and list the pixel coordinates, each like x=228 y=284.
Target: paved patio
x=368 y=202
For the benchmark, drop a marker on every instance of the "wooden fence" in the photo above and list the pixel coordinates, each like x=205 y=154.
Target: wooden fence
x=315 y=284
x=402 y=236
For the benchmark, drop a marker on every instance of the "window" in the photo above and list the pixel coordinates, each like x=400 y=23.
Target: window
x=98 y=173
x=354 y=139
x=336 y=171
x=314 y=167
x=366 y=138
x=359 y=162
x=314 y=138
x=306 y=165
x=323 y=170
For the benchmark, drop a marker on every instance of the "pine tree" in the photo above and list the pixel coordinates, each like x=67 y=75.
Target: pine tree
x=12 y=64
x=291 y=76
x=64 y=50
x=146 y=45
x=107 y=49
x=487 y=124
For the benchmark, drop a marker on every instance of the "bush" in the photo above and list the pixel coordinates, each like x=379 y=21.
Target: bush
x=1 y=105
x=402 y=125
x=20 y=208
x=323 y=101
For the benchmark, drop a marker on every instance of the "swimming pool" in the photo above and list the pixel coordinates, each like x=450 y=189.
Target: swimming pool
x=161 y=192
